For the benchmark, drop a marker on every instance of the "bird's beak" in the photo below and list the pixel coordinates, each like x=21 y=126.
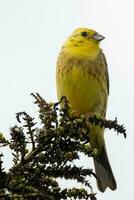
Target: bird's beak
x=98 y=37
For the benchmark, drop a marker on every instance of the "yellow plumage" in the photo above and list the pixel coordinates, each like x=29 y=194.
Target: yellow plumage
x=82 y=77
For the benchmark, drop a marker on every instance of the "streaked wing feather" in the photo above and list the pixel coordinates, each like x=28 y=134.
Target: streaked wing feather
x=106 y=72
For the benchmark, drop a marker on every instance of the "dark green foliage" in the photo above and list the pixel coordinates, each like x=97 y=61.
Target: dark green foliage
x=41 y=155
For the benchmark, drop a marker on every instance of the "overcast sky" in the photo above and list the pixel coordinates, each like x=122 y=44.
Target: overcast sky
x=31 y=34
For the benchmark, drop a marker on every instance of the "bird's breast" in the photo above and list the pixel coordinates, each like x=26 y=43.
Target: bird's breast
x=81 y=84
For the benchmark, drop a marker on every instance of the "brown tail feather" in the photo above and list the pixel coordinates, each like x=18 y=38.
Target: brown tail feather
x=105 y=177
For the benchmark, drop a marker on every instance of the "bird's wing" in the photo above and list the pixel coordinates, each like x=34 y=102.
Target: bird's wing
x=106 y=71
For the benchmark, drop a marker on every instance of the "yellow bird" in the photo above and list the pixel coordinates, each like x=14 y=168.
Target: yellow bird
x=82 y=76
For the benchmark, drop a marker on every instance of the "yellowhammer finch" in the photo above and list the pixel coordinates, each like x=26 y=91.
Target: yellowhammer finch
x=82 y=76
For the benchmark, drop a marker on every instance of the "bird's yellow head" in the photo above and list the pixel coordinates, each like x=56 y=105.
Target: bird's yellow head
x=83 y=42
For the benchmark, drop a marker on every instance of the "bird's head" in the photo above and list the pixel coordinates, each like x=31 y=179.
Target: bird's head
x=87 y=34
x=84 y=41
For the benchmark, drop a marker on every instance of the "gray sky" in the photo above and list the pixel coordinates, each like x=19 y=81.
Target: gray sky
x=31 y=34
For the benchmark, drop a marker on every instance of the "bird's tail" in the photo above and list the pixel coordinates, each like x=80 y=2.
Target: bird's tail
x=105 y=177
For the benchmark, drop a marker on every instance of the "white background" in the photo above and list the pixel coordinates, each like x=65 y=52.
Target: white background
x=31 y=34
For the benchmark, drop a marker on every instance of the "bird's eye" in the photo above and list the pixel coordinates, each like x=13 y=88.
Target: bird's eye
x=84 y=34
